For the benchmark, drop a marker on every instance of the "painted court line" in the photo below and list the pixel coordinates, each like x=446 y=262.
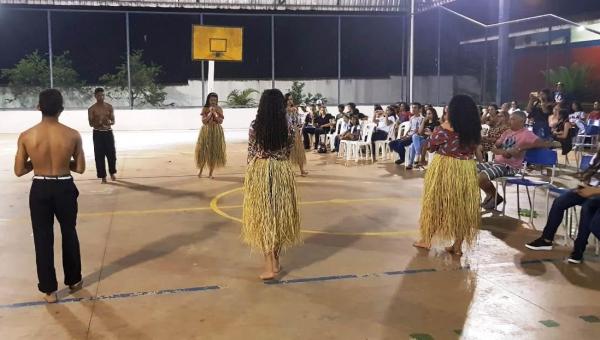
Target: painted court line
x=399 y=272
x=278 y=282
x=115 y=296
x=312 y=279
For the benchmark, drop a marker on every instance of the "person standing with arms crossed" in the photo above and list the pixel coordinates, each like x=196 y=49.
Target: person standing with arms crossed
x=101 y=117
x=52 y=150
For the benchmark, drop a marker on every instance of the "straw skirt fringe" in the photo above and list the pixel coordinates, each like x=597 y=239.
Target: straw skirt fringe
x=210 y=148
x=271 y=219
x=298 y=155
x=450 y=208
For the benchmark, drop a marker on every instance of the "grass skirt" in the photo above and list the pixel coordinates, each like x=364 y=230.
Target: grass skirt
x=210 y=148
x=298 y=155
x=450 y=208
x=270 y=212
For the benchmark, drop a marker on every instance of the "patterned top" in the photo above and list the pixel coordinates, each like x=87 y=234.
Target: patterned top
x=494 y=132
x=294 y=118
x=447 y=143
x=256 y=151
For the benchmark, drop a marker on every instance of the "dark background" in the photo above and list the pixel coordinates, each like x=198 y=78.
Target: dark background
x=306 y=47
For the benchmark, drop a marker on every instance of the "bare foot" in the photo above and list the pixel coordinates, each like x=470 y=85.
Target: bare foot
x=454 y=251
x=276 y=265
x=199 y=175
x=113 y=177
x=104 y=180
x=304 y=173
x=422 y=245
x=267 y=276
x=51 y=298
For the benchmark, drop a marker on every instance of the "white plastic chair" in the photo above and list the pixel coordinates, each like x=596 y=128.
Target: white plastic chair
x=343 y=148
x=382 y=147
x=330 y=137
x=402 y=131
x=356 y=147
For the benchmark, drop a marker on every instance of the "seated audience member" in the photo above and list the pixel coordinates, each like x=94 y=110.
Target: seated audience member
x=482 y=112
x=510 y=152
x=352 y=133
x=350 y=108
x=577 y=118
x=309 y=126
x=498 y=124
x=539 y=109
x=403 y=112
x=385 y=123
x=355 y=112
x=399 y=145
x=323 y=124
x=344 y=128
x=444 y=115
x=587 y=195
x=595 y=114
x=430 y=123
x=341 y=114
x=491 y=113
x=392 y=112
x=505 y=108
x=514 y=106
x=564 y=131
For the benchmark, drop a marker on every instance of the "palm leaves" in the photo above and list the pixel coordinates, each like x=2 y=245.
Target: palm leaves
x=241 y=99
x=574 y=78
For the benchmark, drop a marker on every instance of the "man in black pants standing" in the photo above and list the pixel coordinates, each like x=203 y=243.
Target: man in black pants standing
x=102 y=117
x=52 y=150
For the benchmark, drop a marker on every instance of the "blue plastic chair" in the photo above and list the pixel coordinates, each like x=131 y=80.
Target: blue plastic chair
x=587 y=140
x=539 y=157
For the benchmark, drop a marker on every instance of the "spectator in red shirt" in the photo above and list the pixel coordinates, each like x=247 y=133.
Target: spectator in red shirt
x=595 y=114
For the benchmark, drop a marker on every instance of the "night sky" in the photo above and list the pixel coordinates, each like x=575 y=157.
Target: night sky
x=306 y=47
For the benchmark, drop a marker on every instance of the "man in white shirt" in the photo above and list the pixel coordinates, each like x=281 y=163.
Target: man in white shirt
x=399 y=145
x=385 y=123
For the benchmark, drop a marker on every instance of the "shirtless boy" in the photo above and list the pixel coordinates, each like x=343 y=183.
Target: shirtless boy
x=101 y=117
x=52 y=150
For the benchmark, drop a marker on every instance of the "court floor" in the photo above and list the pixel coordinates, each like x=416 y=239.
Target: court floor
x=162 y=259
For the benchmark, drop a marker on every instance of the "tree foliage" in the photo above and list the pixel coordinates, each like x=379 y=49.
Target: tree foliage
x=241 y=99
x=144 y=87
x=575 y=78
x=32 y=74
x=297 y=92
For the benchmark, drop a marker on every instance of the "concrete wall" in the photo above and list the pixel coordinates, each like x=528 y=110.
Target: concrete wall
x=428 y=89
x=141 y=120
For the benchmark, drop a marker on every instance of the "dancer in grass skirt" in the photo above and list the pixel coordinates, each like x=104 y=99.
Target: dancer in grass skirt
x=210 y=148
x=271 y=220
x=298 y=155
x=451 y=200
